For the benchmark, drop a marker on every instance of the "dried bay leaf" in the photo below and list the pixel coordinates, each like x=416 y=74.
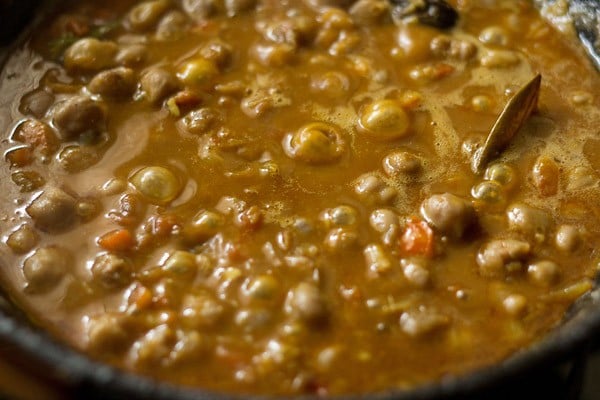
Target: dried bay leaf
x=514 y=115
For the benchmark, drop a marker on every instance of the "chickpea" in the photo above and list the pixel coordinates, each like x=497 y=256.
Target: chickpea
x=182 y=263
x=90 y=54
x=217 y=52
x=369 y=12
x=145 y=15
x=449 y=214
x=106 y=331
x=54 y=210
x=499 y=59
x=28 y=181
x=333 y=84
x=251 y=218
x=158 y=83
x=335 y=18
x=88 y=209
x=339 y=216
x=400 y=163
x=444 y=46
x=131 y=55
x=197 y=71
x=528 y=220
x=191 y=345
x=315 y=143
x=326 y=357
x=481 y=103
x=112 y=271
x=200 y=10
x=79 y=117
x=131 y=209
x=567 y=238
x=77 y=158
x=414 y=42
x=201 y=121
x=112 y=187
x=493 y=35
x=372 y=188
x=261 y=288
x=423 y=321
x=117 y=83
x=382 y=220
x=201 y=311
x=204 y=225
x=543 y=273
x=22 y=240
x=384 y=120
x=515 y=305
x=462 y=50
x=253 y=319
x=277 y=352
x=45 y=268
x=344 y=44
x=262 y=100
x=440 y=45
x=306 y=302
x=416 y=272
x=274 y=55
x=426 y=73
x=158 y=184
x=153 y=347
x=172 y=26
x=341 y=238
x=377 y=261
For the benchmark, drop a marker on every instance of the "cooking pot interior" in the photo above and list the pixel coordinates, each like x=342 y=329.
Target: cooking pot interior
x=80 y=375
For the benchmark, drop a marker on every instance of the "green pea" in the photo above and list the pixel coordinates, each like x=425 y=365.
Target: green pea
x=384 y=120
x=481 y=103
x=204 y=225
x=315 y=143
x=158 y=184
x=502 y=173
x=339 y=216
x=488 y=191
x=181 y=263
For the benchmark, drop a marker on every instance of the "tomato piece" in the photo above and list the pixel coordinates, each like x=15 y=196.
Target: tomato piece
x=118 y=240
x=418 y=238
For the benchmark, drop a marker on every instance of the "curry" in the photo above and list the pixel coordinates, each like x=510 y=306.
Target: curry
x=255 y=196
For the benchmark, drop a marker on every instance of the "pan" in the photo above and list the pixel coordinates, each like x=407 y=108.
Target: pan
x=75 y=376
